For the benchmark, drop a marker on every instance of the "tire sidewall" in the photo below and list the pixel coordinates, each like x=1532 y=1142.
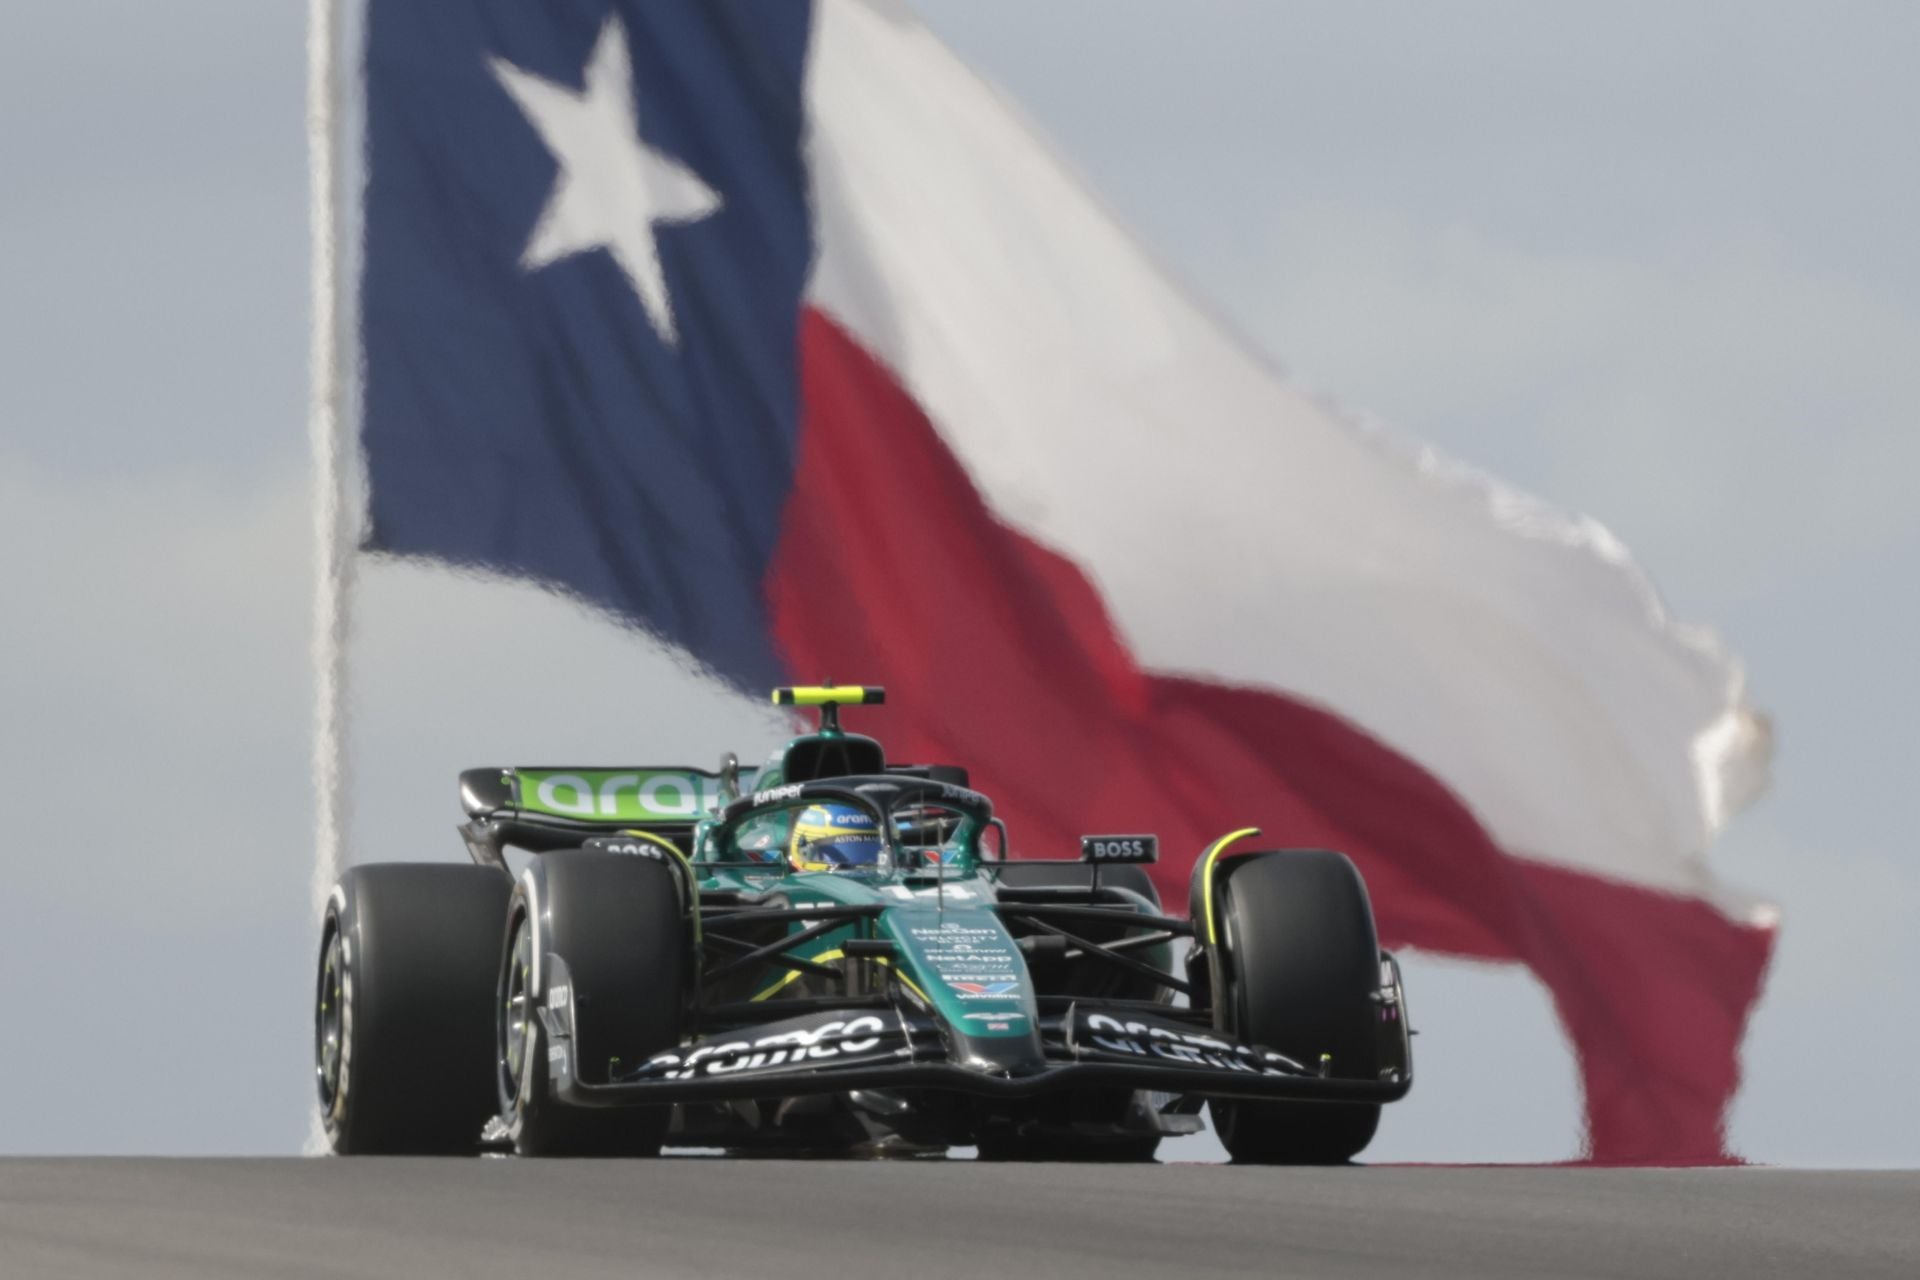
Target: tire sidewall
x=336 y=1117
x=567 y=900
x=416 y=946
x=1244 y=1009
x=530 y=1092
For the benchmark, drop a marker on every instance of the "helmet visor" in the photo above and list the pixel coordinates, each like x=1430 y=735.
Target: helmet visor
x=835 y=837
x=834 y=852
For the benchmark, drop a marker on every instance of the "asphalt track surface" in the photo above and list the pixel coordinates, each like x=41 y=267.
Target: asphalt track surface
x=262 y=1219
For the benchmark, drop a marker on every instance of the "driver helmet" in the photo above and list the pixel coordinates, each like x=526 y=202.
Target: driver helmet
x=833 y=837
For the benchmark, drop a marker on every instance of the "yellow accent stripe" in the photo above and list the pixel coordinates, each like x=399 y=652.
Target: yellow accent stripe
x=822 y=958
x=1207 y=860
x=911 y=984
x=819 y=694
x=796 y=974
x=652 y=838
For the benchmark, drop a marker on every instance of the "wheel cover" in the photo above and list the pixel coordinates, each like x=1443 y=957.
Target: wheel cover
x=329 y=1022
x=516 y=1012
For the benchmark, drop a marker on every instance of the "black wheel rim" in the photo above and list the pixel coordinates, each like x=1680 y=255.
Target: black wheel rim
x=516 y=1012
x=330 y=1021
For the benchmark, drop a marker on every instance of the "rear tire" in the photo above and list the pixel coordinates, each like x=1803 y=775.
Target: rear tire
x=619 y=923
x=1301 y=964
x=403 y=1012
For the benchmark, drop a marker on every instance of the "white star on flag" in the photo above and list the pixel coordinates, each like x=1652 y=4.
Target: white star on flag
x=612 y=187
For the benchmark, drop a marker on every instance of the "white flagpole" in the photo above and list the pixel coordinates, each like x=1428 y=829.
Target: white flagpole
x=332 y=510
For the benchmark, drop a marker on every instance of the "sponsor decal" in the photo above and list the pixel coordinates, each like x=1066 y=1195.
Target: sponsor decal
x=846 y=819
x=949 y=893
x=977 y=962
x=559 y=1064
x=1184 y=1047
x=1119 y=848
x=632 y=849
x=997 y=1017
x=771 y=794
x=568 y=793
x=840 y=1039
x=634 y=795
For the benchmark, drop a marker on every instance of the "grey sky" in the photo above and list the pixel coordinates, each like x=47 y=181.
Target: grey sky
x=1651 y=261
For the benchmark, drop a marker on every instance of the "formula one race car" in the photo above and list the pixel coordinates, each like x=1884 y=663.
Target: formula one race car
x=837 y=955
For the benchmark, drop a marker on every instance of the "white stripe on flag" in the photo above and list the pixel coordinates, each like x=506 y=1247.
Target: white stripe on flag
x=1239 y=530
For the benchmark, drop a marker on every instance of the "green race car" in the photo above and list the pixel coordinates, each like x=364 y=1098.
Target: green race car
x=837 y=954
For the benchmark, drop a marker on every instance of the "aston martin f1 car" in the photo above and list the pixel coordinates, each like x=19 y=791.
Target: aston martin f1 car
x=837 y=953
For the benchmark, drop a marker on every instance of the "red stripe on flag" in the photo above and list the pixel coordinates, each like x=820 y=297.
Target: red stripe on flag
x=998 y=654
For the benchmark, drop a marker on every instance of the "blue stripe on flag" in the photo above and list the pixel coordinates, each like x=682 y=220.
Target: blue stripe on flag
x=527 y=410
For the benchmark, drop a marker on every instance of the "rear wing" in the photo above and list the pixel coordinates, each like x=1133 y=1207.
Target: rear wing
x=556 y=807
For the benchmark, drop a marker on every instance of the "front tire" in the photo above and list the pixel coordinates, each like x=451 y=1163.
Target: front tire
x=619 y=922
x=403 y=1010
x=1301 y=964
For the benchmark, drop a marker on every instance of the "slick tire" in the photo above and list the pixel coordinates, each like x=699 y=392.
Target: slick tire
x=403 y=1009
x=1301 y=965
x=619 y=922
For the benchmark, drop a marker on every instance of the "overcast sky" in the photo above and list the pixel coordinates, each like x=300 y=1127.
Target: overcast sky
x=1655 y=262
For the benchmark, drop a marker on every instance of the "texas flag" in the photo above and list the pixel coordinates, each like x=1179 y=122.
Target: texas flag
x=770 y=328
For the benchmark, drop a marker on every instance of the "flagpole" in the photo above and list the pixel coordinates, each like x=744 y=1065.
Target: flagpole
x=332 y=511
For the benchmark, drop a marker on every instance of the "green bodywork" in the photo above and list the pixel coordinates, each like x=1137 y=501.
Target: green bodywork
x=949 y=949
x=947 y=939
x=619 y=795
x=927 y=990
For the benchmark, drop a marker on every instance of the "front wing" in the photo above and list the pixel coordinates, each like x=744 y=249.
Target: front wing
x=870 y=1047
